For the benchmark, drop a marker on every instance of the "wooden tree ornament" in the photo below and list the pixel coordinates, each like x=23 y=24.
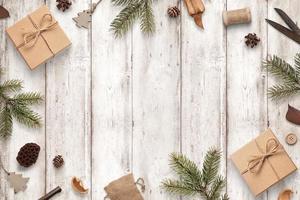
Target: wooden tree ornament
x=17 y=181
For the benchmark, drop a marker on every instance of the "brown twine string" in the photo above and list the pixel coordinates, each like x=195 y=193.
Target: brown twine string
x=272 y=147
x=141 y=183
x=31 y=37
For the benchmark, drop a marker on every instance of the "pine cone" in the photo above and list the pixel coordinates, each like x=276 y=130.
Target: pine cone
x=173 y=11
x=63 y=4
x=252 y=40
x=28 y=154
x=58 y=161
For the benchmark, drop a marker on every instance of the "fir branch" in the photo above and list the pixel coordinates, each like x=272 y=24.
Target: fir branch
x=211 y=166
x=133 y=10
x=147 y=18
x=17 y=107
x=5 y=122
x=282 y=70
x=290 y=77
x=26 y=116
x=225 y=197
x=126 y=18
x=14 y=85
x=206 y=182
x=297 y=64
x=217 y=186
x=29 y=98
x=177 y=187
x=280 y=91
x=121 y=2
x=185 y=168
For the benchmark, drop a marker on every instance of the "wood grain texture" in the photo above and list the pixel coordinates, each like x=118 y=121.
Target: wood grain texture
x=68 y=107
x=156 y=103
x=15 y=68
x=204 y=84
x=111 y=101
x=246 y=97
x=285 y=48
x=115 y=106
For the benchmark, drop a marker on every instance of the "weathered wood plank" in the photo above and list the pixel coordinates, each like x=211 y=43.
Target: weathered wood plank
x=33 y=81
x=282 y=46
x=68 y=106
x=112 y=101
x=246 y=96
x=156 y=100
x=204 y=84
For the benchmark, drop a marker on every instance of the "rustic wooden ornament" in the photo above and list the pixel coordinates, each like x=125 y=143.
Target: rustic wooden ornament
x=3 y=13
x=78 y=186
x=285 y=194
x=293 y=115
x=240 y=16
x=84 y=18
x=196 y=8
x=16 y=180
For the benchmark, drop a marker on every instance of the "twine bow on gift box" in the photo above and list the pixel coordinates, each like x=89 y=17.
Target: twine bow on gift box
x=272 y=147
x=31 y=37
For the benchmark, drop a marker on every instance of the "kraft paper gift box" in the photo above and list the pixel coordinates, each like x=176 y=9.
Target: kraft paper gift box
x=38 y=37
x=263 y=162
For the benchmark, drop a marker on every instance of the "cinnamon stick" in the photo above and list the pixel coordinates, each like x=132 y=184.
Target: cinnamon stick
x=51 y=193
x=195 y=9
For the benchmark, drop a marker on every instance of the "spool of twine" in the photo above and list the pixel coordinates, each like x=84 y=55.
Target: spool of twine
x=240 y=16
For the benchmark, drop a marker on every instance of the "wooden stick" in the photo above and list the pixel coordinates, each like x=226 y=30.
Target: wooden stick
x=240 y=16
x=51 y=193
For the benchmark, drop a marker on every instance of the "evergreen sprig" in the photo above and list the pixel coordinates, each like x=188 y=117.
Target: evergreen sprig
x=288 y=75
x=207 y=183
x=17 y=105
x=133 y=10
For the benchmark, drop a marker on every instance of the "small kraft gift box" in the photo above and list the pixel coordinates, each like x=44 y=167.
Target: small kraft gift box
x=38 y=37
x=263 y=162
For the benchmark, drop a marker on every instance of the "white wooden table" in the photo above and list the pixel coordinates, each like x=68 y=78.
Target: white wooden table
x=115 y=106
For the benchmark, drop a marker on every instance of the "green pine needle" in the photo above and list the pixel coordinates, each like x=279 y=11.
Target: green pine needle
x=288 y=75
x=14 y=85
x=26 y=116
x=121 y=2
x=5 y=122
x=186 y=169
x=177 y=187
x=211 y=165
x=147 y=18
x=17 y=107
x=29 y=98
x=206 y=182
x=217 y=186
x=125 y=19
x=133 y=10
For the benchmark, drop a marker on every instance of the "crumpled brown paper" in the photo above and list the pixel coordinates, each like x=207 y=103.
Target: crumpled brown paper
x=123 y=188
